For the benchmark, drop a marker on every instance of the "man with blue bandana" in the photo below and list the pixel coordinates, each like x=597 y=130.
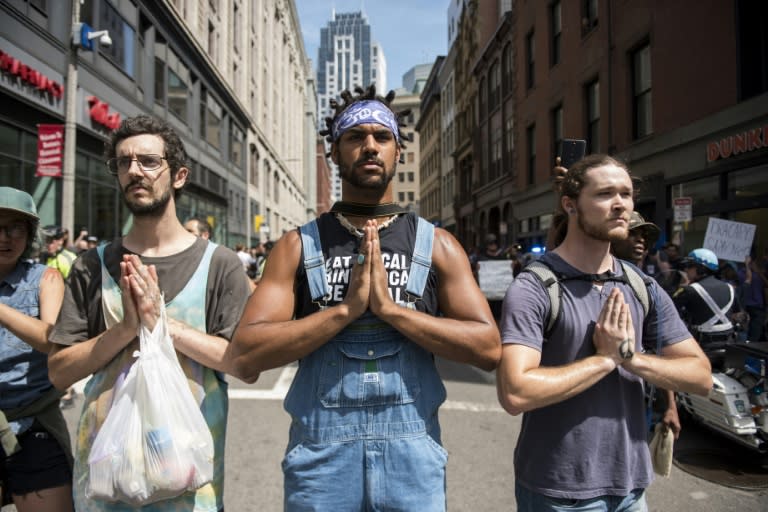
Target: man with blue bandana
x=364 y=297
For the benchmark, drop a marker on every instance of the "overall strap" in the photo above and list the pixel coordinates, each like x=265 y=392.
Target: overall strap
x=421 y=261
x=719 y=314
x=314 y=263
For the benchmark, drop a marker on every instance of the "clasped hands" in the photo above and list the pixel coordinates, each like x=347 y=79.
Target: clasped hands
x=141 y=293
x=368 y=287
x=614 y=325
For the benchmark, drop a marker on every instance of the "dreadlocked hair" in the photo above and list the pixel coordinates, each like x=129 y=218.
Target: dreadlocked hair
x=366 y=94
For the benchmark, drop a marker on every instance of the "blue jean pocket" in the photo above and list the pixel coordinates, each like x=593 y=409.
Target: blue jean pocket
x=368 y=374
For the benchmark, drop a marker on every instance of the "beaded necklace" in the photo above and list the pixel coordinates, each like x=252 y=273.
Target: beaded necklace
x=359 y=232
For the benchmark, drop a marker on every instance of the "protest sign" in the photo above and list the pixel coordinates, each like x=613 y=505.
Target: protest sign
x=729 y=240
x=494 y=277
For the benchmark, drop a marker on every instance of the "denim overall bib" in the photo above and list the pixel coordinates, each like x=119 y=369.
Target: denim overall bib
x=208 y=387
x=365 y=434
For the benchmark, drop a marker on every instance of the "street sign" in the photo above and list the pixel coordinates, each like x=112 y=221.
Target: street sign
x=683 y=209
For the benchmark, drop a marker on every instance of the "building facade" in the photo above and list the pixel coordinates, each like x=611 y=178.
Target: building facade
x=677 y=90
x=406 y=181
x=198 y=65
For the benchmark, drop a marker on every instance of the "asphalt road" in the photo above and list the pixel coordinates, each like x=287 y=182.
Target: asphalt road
x=478 y=435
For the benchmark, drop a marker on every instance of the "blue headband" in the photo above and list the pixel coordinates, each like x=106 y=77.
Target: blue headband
x=364 y=112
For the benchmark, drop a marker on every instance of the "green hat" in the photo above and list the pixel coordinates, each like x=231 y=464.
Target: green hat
x=18 y=201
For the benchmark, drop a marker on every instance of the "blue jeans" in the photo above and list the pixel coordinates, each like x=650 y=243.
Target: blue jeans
x=529 y=501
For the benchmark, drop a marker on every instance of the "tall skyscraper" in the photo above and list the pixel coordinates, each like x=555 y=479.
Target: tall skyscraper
x=347 y=57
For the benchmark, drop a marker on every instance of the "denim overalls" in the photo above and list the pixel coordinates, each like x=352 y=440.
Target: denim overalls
x=365 y=433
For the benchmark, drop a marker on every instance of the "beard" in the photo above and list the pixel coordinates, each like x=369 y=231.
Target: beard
x=601 y=231
x=154 y=208
x=378 y=182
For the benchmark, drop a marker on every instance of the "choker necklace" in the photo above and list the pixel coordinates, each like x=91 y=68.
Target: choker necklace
x=367 y=210
x=359 y=232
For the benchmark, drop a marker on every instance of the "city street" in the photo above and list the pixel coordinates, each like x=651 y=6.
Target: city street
x=478 y=435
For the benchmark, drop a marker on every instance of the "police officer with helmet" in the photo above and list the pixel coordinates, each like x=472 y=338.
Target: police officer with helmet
x=706 y=304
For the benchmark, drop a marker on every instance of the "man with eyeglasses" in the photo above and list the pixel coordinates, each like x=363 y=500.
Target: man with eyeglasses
x=118 y=286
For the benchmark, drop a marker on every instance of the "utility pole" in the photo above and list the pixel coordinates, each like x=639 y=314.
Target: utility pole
x=70 y=131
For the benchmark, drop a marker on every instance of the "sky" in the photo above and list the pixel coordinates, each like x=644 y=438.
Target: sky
x=410 y=32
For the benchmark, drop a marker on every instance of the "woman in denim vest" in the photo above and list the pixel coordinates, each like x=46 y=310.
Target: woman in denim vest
x=35 y=471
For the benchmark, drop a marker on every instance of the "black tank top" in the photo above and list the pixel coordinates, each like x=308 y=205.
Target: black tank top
x=340 y=249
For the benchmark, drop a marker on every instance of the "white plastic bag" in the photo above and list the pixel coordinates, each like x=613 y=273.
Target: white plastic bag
x=154 y=443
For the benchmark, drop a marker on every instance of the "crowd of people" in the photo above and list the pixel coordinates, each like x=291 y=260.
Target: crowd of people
x=364 y=298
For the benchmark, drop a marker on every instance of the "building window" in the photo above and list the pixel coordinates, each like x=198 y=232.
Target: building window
x=276 y=185
x=557 y=128
x=212 y=41
x=411 y=177
x=507 y=70
x=236 y=23
x=752 y=43
x=496 y=138
x=178 y=88
x=530 y=59
x=411 y=197
x=588 y=16
x=593 y=117
x=212 y=115
x=509 y=135
x=237 y=144
x=494 y=86
x=556 y=25
x=530 y=142
x=122 y=50
x=401 y=197
x=401 y=177
x=483 y=98
x=641 y=92
x=255 y=167
x=409 y=157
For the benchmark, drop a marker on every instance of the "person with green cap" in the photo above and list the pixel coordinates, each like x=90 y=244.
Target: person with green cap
x=36 y=467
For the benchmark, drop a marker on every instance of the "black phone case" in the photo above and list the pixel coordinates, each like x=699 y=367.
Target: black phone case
x=571 y=151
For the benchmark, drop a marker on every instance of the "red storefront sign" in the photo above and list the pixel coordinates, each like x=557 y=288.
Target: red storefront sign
x=50 y=150
x=99 y=113
x=30 y=75
x=736 y=144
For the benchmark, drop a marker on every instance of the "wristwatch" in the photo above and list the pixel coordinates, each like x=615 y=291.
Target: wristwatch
x=626 y=349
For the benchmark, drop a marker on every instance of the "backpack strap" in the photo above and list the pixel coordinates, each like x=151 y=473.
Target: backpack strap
x=551 y=283
x=639 y=282
x=421 y=262
x=314 y=264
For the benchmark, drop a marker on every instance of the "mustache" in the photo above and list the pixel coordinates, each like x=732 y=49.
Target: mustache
x=137 y=182
x=369 y=159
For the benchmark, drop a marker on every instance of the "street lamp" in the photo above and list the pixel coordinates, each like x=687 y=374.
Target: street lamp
x=83 y=36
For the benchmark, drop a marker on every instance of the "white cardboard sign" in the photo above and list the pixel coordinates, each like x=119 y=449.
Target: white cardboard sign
x=494 y=277
x=729 y=240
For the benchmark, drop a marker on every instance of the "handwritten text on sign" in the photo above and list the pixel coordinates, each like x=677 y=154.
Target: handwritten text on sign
x=494 y=277
x=728 y=239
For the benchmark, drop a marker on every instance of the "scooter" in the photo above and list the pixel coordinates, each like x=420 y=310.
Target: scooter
x=737 y=405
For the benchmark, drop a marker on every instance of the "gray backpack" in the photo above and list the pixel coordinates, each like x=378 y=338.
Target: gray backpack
x=551 y=280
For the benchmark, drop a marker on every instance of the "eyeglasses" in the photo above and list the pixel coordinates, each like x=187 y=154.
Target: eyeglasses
x=16 y=230
x=147 y=163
